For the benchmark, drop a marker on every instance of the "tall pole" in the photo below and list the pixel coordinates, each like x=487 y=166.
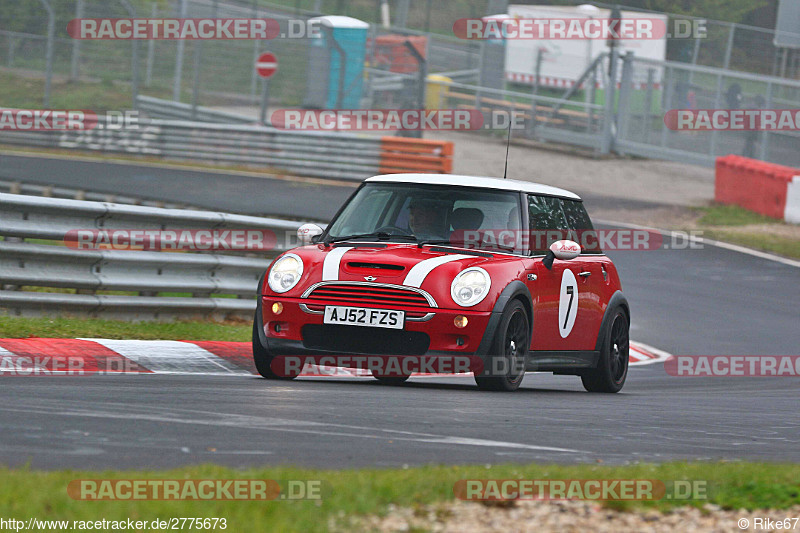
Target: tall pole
x=134 y=55
x=74 y=67
x=51 y=33
x=176 y=88
x=151 y=51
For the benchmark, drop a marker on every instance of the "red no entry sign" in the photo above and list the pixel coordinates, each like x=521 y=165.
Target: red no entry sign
x=266 y=65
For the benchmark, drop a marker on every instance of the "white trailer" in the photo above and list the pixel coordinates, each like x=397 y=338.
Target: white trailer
x=564 y=60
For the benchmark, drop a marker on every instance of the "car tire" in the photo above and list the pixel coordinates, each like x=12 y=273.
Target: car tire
x=262 y=358
x=510 y=344
x=612 y=367
x=391 y=380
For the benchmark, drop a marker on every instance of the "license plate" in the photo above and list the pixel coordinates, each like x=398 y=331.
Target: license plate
x=361 y=316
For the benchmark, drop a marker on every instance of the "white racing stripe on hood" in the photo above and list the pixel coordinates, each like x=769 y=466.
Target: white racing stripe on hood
x=330 y=267
x=421 y=270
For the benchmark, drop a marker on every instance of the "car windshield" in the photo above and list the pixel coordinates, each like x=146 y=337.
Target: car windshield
x=461 y=216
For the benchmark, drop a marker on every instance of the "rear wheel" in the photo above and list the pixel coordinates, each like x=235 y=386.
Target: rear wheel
x=612 y=368
x=262 y=358
x=508 y=355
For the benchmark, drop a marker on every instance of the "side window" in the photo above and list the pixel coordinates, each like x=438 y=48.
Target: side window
x=547 y=222
x=579 y=220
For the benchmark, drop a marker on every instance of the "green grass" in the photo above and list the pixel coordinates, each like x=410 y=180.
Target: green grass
x=26 y=93
x=65 y=327
x=732 y=215
x=759 y=241
x=26 y=492
x=716 y=218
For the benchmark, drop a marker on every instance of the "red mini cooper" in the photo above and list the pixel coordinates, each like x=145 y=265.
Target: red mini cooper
x=504 y=272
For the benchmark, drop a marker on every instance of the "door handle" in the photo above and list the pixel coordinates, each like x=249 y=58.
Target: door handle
x=585 y=274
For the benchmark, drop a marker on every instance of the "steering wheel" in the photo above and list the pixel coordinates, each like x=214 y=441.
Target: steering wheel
x=392 y=230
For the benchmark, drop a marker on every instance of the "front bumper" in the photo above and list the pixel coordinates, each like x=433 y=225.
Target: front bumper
x=299 y=330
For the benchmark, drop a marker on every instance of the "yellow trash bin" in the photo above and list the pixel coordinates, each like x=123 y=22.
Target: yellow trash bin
x=436 y=94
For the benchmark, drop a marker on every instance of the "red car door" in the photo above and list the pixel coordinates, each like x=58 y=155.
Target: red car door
x=565 y=297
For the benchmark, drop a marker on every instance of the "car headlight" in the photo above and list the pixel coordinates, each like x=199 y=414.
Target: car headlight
x=470 y=286
x=285 y=273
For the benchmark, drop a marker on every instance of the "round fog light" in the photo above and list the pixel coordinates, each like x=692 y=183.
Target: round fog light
x=277 y=308
x=460 y=321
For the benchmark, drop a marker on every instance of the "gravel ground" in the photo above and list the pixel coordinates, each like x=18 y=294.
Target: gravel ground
x=562 y=516
x=660 y=182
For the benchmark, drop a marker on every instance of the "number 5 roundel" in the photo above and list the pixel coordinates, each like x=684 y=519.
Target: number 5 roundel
x=567 y=303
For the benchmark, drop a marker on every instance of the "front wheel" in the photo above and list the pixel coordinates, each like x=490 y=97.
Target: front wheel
x=612 y=368
x=508 y=355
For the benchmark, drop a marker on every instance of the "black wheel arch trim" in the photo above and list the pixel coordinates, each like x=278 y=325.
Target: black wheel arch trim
x=617 y=301
x=515 y=289
x=259 y=318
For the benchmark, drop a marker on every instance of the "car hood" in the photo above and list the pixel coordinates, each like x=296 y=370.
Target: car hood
x=398 y=264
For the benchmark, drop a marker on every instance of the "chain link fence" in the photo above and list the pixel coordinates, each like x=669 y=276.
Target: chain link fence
x=421 y=64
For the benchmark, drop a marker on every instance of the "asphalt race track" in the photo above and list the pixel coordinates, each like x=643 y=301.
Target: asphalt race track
x=687 y=302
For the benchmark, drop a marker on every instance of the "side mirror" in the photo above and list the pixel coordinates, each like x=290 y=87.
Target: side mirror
x=307 y=232
x=564 y=250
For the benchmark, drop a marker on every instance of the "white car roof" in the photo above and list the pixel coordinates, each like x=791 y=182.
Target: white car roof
x=475 y=181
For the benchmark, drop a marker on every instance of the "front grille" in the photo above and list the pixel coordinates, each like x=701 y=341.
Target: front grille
x=367 y=294
x=357 y=339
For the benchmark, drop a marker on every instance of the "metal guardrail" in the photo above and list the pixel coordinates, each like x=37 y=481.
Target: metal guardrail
x=306 y=153
x=51 y=191
x=169 y=110
x=35 y=264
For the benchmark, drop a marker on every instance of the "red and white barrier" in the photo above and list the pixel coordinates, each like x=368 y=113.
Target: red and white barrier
x=766 y=188
x=83 y=357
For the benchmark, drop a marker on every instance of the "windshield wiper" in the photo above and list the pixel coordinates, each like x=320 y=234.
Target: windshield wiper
x=380 y=235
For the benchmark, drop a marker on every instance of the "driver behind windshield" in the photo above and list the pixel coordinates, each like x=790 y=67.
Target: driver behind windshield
x=426 y=219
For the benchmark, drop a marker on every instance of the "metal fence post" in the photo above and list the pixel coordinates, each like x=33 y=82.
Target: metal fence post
x=607 y=140
x=198 y=54
x=76 y=46
x=401 y=19
x=648 y=104
x=11 y=44
x=51 y=33
x=729 y=49
x=764 y=148
x=151 y=51
x=176 y=88
x=134 y=55
x=626 y=83
x=423 y=74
